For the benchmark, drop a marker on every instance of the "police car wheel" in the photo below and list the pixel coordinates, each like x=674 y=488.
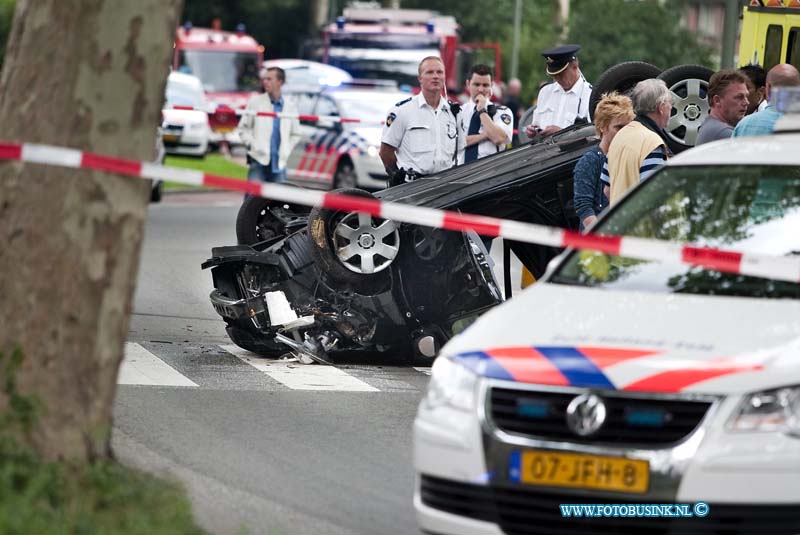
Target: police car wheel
x=262 y=219
x=689 y=87
x=345 y=176
x=351 y=249
x=621 y=78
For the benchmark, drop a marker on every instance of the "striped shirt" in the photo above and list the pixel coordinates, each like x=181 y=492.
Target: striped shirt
x=605 y=178
x=652 y=162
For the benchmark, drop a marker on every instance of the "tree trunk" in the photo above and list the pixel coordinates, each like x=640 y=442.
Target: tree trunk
x=85 y=74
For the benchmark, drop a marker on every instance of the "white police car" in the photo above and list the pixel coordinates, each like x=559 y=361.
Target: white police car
x=621 y=381
x=333 y=154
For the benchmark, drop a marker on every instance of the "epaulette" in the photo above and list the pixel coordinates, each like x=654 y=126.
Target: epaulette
x=403 y=101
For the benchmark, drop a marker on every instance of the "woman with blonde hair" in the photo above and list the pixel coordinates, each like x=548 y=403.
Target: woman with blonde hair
x=613 y=111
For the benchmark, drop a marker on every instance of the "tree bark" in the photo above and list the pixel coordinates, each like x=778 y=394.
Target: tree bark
x=90 y=75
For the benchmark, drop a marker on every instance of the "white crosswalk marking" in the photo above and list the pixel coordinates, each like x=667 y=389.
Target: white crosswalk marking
x=302 y=376
x=140 y=367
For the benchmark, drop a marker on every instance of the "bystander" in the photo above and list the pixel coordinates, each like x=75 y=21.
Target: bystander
x=612 y=113
x=763 y=122
x=268 y=140
x=727 y=100
x=641 y=147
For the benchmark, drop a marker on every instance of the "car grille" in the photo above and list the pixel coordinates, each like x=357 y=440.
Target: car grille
x=522 y=511
x=629 y=420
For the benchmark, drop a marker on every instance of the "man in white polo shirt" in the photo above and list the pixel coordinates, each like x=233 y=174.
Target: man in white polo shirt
x=421 y=135
x=565 y=102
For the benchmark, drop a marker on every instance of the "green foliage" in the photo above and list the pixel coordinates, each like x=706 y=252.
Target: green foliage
x=613 y=31
x=494 y=22
x=6 y=16
x=610 y=31
x=279 y=25
x=101 y=498
x=214 y=164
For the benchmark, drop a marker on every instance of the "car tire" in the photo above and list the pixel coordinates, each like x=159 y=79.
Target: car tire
x=345 y=177
x=157 y=191
x=621 y=78
x=261 y=219
x=690 y=84
x=330 y=232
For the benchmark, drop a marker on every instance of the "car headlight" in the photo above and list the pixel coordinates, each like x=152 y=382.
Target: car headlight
x=372 y=150
x=775 y=410
x=451 y=384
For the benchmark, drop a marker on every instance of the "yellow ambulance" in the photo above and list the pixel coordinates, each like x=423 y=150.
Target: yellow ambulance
x=770 y=33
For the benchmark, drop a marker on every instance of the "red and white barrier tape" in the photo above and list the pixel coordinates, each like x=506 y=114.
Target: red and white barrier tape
x=281 y=115
x=758 y=265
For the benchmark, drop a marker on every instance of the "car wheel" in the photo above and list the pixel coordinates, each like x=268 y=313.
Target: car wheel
x=345 y=176
x=261 y=219
x=353 y=249
x=621 y=78
x=689 y=87
x=527 y=118
x=157 y=191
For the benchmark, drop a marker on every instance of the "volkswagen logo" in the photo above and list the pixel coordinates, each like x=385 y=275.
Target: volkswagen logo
x=586 y=414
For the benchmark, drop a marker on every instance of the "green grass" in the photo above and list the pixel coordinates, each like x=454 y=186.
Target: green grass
x=101 y=498
x=214 y=164
x=62 y=498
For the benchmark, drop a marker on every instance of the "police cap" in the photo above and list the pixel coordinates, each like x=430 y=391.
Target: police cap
x=559 y=57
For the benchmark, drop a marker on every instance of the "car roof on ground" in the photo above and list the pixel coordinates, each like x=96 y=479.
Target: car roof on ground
x=498 y=174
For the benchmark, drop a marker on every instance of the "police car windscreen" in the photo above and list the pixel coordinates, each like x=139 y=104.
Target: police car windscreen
x=370 y=106
x=754 y=209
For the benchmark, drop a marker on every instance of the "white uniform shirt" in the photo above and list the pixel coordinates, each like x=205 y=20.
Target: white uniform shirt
x=558 y=107
x=502 y=118
x=425 y=138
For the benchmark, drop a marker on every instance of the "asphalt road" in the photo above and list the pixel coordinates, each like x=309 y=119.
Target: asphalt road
x=250 y=450
x=273 y=447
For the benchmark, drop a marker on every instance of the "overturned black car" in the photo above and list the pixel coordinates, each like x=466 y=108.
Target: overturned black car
x=324 y=282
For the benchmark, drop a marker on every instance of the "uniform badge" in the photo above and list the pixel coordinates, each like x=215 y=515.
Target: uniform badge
x=506 y=118
x=390 y=119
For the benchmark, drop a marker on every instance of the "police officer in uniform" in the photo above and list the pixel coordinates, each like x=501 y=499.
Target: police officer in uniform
x=565 y=102
x=421 y=134
x=484 y=127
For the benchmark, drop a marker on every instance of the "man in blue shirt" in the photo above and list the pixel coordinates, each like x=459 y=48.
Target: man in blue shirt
x=763 y=122
x=268 y=140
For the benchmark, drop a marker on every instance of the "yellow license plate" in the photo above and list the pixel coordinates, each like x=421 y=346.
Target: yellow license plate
x=170 y=137
x=578 y=470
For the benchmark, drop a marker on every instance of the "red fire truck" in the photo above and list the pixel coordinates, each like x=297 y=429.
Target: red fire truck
x=374 y=42
x=227 y=63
